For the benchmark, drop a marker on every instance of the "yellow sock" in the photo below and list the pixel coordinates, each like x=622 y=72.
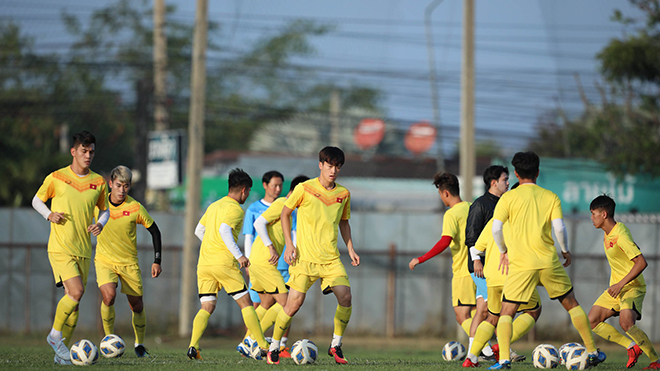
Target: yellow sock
x=484 y=332
x=252 y=322
x=581 y=324
x=108 y=318
x=466 y=326
x=610 y=333
x=140 y=326
x=521 y=325
x=504 y=331
x=69 y=327
x=270 y=317
x=261 y=311
x=199 y=325
x=342 y=316
x=643 y=341
x=281 y=325
x=64 y=309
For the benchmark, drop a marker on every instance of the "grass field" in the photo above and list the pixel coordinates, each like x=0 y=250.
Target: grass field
x=20 y=353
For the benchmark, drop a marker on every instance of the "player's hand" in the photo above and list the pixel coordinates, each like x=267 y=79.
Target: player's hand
x=615 y=290
x=95 y=229
x=243 y=262
x=478 y=268
x=155 y=270
x=567 y=257
x=289 y=255
x=57 y=218
x=504 y=263
x=413 y=263
x=274 y=256
x=355 y=258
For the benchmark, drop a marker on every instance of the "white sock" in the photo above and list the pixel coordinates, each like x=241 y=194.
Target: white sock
x=470 y=341
x=336 y=340
x=283 y=342
x=632 y=344
x=137 y=345
x=56 y=335
x=473 y=358
x=275 y=345
x=487 y=351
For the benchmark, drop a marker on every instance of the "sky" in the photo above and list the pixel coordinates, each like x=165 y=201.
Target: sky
x=527 y=53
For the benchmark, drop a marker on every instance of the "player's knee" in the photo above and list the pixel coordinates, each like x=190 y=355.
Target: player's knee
x=536 y=313
x=109 y=300
x=345 y=299
x=626 y=323
x=137 y=307
x=76 y=293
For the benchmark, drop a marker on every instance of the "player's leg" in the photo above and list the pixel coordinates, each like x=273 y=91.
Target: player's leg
x=108 y=295
x=294 y=301
x=200 y=322
x=579 y=319
x=250 y=317
x=597 y=316
x=463 y=299
x=486 y=328
x=275 y=306
x=139 y=324
x=631 y=307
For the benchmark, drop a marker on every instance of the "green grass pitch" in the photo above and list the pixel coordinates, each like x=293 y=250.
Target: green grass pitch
x=31 y=353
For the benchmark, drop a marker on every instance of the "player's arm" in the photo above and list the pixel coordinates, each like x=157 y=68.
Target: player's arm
x=285 y=220
x=345 y=229
x=228 y=238
x=474 y=225
x=158 y=248
x=199 y=231
x=439 y=247
x=562 y=238
x=42 y=209
x=639 y=264
x=104 y=216
x=261 y=226
x=498 y=237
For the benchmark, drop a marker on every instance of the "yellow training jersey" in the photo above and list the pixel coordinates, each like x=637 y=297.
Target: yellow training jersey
x=530 y=210
x=453 y=225
x=620 y=249
x=486 y=243
x=260 y=253
x=76 y=197
x=319 y=213
x=117 y=244
x=214 y=251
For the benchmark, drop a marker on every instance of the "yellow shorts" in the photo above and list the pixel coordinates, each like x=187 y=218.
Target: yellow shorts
x=629 y=298
x=130 y=276
x=213 y=278
x=68 y=266
x=266 y=279
x=520 y=286
x=303 y=274
x=495 y=301
x=463 y=291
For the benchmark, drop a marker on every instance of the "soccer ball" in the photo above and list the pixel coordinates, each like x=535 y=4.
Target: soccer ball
x=252 y=348
x=563 y=351
x=84 y=353
x=112 y=346
x=304 y=352
x=545 y=356
x=453 y=351
x=577 y=358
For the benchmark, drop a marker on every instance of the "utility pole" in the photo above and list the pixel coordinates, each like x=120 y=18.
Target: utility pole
x=335 y=109
x=435 y=98
x=467 y=150
x=195 y=154
x=160 y=67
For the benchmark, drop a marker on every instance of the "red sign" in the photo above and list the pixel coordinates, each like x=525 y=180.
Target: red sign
x=420 y=137
x=369 y=133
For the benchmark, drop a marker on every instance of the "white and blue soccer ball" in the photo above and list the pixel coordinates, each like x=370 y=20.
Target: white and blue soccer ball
x=112 y=346
x=304 y=352
x=453 y=351
x=84 y=353
x=564 y=349
x=577 y=358
x=545 y=356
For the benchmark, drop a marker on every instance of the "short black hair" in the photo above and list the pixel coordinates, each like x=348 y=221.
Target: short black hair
x=494 y=173
x=526 y=164
x=297 y=180
x=604 y=202
x=447 y=182
x=239 y=179
x=332 y=155
x=270 y=175
x=84 y=138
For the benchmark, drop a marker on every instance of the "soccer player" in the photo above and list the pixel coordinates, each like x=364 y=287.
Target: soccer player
x=453 y=236
x=496 y=179
x=530 y=258
x=272 y=182
x=75 y=191
x=323 y=207
x=116 y=256
x=220 y=260
x=627 y=289
x=267 y=278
